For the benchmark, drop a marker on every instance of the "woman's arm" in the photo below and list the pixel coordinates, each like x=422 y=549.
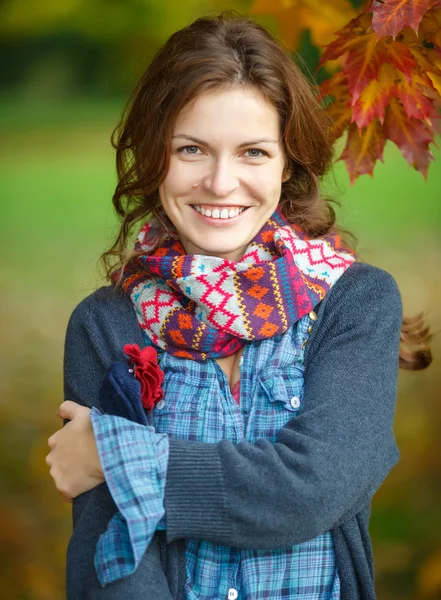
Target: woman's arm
x=97 y=331
x=329 y=460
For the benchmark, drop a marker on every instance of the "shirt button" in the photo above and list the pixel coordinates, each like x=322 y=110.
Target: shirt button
x=232 y=594
x=241 y=361
x=295 y=402
x=160 y=404
x=313 y=316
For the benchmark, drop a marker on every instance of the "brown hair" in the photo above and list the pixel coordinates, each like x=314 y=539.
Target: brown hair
x=215 y=52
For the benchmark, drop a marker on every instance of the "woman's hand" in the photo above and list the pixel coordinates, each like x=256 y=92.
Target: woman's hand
x=74 y=462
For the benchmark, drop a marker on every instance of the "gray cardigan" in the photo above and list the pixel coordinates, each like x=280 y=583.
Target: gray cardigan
x=319 y=475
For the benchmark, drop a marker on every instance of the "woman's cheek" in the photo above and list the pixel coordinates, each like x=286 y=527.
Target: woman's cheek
x=181 y=177
x=266 y=186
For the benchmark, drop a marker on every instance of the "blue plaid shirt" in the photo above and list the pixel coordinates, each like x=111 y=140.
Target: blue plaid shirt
x=198 y=405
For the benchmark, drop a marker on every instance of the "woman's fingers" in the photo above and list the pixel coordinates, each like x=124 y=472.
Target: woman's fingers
x=52 y=440
x=60 y=484
x=73 y=460
x=68 y=409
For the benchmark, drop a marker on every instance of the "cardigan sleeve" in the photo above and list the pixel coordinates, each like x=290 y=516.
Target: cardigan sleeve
x=329 y=460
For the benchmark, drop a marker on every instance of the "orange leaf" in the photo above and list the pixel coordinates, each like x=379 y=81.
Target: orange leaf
x=412 y=95
x=374 y=98
x=363 y=148
x=386 y=88
x=412 y=136
x=364 y=56
x=398 y=54
x=435 y=78
x=430 y=27
x=347 y=37
x=392 y=16
x=427 y=60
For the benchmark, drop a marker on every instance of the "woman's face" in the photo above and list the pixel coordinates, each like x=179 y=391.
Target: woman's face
x=226 y=158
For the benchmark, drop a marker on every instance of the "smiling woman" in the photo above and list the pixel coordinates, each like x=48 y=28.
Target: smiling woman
x=273 y=354
x=224 y=175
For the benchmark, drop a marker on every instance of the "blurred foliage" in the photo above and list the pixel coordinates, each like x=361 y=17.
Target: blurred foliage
x=61 y=48
x=57 y=177
x=321 y=18
x=56 y=50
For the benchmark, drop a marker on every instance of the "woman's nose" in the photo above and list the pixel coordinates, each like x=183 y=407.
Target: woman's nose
x=221 y=179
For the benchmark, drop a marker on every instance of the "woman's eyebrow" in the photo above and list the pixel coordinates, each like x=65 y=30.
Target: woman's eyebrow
x=203 y=143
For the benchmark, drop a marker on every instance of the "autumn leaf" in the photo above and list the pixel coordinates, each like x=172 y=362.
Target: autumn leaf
x=363 y=148
x=435 y=78
x=375 y=97
x=427 y=58
x=386 y=89
x=411 y=135
x=388 y=74
x=392 y=16
x=430 y=27
x=412 y=96
x=398 y=55
x=363 y=56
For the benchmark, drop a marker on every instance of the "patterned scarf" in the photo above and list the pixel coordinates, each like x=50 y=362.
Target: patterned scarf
x=200 y=307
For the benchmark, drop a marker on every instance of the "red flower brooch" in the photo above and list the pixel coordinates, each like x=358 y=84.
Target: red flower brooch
x=147 y=372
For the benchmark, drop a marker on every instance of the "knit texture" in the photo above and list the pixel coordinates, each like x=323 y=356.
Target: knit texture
x=196 y=306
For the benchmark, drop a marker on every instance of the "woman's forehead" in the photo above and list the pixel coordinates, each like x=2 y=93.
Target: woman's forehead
x=236 y=113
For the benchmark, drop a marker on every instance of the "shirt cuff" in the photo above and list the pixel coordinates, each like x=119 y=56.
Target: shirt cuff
x=134 y=461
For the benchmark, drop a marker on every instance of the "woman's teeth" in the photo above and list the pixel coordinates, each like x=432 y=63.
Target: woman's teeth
x=224 y=213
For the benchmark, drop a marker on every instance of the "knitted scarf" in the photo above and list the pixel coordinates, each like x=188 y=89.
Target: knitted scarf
x=200 y=307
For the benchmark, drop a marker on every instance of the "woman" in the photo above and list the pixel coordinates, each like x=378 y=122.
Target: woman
x=279 y=350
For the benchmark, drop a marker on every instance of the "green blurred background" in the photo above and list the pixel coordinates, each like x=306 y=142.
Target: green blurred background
x=67 y=70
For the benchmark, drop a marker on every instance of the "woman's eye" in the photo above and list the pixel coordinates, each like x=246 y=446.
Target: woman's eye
x=189 y=149
x=254 y=150
x=193 y=151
